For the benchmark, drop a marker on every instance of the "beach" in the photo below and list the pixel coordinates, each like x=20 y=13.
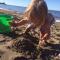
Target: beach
x=24 y=46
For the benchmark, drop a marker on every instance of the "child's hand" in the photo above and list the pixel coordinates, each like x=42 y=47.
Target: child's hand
x=14 y=23
x=42 y=43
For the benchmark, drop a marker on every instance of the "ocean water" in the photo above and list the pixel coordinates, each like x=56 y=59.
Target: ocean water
x=22 y=9
x=13 y=8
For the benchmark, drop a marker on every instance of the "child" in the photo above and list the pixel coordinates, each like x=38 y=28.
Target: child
x=34 y=16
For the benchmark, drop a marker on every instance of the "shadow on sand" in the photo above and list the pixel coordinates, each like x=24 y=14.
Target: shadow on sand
x=11 y=34
x=47 y=53
x=29 y=43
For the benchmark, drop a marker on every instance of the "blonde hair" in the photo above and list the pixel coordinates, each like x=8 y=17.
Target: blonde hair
x=36 y=12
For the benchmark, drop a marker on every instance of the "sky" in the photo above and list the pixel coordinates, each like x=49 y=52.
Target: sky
x=52 y=4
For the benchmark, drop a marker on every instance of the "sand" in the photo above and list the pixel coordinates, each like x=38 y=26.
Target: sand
x=25 y=45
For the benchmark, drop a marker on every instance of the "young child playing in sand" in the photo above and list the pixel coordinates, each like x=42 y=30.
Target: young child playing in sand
x=35 y=15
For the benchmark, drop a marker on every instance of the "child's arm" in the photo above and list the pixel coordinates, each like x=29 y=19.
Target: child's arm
x=45 y=36
x=19 y=23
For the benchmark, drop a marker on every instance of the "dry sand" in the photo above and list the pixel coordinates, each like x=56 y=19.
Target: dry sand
x=25 y=45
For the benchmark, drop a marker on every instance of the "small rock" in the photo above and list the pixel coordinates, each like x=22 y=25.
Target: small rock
x=2 y=38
